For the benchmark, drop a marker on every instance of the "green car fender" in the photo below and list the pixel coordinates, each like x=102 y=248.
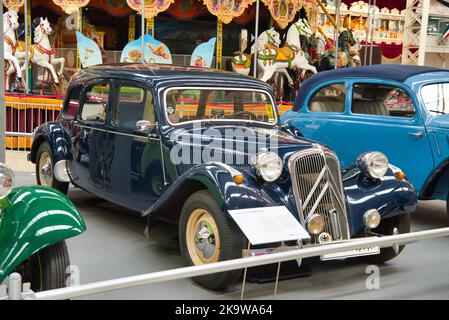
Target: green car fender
x=31 y=219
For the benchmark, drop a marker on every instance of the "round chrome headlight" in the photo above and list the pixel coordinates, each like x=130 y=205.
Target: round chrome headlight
x=315 y=224
x=373 y=164
x=6 y=180
x=268 y=165
x=371 y=218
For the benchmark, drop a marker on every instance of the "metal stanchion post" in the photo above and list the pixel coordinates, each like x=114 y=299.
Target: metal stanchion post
x=256 y=34
x=337 y=30
x=2 y=96
x=372 y=33
x=142 y=58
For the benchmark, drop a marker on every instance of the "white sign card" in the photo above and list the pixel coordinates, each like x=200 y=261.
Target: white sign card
x=268 y=224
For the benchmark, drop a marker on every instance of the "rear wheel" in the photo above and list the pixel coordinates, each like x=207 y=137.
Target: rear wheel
x=45 y=170
x=46 y=269
x=206 y=235
x=386 y=227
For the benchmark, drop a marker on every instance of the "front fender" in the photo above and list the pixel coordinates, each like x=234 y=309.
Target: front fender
x=391 y=197
x=218 y=179
x=33 y=218
x=58 y=139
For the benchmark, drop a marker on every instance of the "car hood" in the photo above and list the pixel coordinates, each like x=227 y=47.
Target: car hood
x=236 y=140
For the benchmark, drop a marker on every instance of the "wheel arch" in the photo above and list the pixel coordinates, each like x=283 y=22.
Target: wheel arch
x=436 y=182
x=57 y=138
x=35 y=218
x=170 y=209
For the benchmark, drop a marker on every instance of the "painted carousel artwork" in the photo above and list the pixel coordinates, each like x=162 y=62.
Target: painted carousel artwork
x=203 y=54
x=154 y=51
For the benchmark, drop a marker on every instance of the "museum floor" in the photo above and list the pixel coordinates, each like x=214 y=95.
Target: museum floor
x=115 y=246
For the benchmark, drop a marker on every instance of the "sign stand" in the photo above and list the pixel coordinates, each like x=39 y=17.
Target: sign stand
x=268 y=225
x=244 y=275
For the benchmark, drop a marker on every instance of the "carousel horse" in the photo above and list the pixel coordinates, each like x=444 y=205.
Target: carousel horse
x=312 y=43
x=12 y=65
x=241 y=62
x=42 y=54
x=346 y=40
x=289 y=56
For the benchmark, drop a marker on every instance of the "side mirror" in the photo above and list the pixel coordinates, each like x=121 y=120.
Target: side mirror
x=146 y=126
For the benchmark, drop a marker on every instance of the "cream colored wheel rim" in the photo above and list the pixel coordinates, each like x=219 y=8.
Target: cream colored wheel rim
x=45 y=170
x=202 y=237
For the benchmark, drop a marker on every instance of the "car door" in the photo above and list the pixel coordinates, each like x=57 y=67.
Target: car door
x=88 y=135
x=383 y=117
x=134 y=176
x=322 y=118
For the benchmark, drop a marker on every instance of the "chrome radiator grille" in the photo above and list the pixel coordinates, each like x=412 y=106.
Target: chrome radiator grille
x=317 y=187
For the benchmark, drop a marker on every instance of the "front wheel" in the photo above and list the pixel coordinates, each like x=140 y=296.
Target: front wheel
x=46 y=269
x=45 y=170
x=206 y=235
x=386 y=227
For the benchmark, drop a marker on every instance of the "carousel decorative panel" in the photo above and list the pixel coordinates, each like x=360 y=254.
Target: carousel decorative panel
x=226 y=10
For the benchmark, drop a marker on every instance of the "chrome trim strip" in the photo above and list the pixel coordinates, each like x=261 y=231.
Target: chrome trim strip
x=118 y=133
x=437 y=144
x=87 y=127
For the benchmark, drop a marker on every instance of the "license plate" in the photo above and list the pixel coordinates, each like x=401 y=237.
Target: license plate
x=351 y=253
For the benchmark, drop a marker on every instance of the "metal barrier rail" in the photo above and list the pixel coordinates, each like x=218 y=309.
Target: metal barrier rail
x=15 y=291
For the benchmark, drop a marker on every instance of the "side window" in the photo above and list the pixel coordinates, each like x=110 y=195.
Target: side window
x=382 y=100
x=72 y=104
x=331 y=98
x=133 y=104
x=95 y=103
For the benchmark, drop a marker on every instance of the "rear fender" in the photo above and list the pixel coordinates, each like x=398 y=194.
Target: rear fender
x=58 y=139
x=33 y=218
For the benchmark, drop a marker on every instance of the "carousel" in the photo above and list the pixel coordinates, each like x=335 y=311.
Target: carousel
x=280 y=42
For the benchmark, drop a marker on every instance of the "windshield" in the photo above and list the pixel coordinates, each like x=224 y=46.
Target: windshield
x=436 y=98
x=197 y=104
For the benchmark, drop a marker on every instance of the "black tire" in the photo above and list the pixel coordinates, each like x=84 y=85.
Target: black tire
x=386 y=227
x=46 y=269
x=231 y=239
x=44 y=149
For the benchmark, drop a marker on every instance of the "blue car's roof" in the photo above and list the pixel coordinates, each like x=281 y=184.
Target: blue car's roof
x=397 y=72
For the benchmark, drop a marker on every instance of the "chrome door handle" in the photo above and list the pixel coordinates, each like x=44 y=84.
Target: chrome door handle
x=416 y=134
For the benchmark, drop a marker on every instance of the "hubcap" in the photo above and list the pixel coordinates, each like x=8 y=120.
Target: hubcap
x=45 y=170
x=203 y=241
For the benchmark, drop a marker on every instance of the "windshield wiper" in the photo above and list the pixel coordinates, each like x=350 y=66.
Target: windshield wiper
x=436 y=111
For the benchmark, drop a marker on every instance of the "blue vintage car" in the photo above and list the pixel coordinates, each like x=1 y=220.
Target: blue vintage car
x=188 y=145
x=399 y=110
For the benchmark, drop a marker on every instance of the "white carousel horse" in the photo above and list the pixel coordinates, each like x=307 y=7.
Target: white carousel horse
x=280 y=59
x=10 y=25
x=241 y=63
x=43 y=55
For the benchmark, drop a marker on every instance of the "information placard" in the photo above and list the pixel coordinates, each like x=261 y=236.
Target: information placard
x=268 y=224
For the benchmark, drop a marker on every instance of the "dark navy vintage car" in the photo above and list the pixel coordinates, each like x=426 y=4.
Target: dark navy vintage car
x=175 y=143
